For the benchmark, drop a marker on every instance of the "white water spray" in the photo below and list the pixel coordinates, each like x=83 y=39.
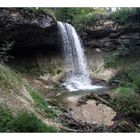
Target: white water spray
x=77 y=75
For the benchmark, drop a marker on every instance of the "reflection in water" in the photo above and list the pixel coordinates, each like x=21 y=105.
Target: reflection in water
x=67 y=99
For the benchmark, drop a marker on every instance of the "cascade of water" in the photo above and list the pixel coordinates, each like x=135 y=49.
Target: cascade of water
x=77 y=75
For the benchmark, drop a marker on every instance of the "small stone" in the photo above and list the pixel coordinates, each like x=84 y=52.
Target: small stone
x=98 y=50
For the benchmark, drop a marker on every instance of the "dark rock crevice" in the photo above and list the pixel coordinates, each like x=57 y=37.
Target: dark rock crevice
x=33 y=33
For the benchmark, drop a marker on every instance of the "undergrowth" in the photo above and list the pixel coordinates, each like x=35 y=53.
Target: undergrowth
x=9 y=79
x=6 y=119
x=126 y=101
x=41 y=103
x=22 y=122
x=125 y=97
x=28 y=122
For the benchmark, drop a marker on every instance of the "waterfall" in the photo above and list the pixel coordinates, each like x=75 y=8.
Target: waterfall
x=77 y=75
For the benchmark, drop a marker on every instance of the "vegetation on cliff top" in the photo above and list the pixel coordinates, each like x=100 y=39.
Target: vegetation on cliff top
x=81 y=17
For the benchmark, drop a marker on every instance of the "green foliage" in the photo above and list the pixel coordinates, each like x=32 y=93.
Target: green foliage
x=126 y=15
x=130 y=72
x=134 y=74
x=9 y=79
x=94 y=16
x=79 y=17
x=124 y=90
x=47 y=10
x=127 y=102
x=66 y=14
x=28 y=122
x=125 y=98
x=110 y=61
x=51 y=70
x=33 y=12
x=124 y=126
x=137 y=81
x=22 y=122
x=4 y=49
x=122 y=51
x=34 y=71
x=74 y=15
x=41 y=103
x=6 y=119
x=116 y=58
x=120 y=15
x=126 y=52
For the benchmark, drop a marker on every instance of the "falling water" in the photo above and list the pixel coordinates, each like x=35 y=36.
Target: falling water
x=77 y=75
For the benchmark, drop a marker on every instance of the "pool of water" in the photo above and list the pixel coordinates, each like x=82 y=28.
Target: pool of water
x=67 y=98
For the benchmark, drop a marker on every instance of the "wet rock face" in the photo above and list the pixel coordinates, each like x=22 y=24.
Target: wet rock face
x=13 y=17
x=31 y=31
x=109 y=35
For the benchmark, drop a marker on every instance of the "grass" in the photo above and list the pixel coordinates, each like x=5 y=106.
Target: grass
x=124 y=90
x=41 y=103
x=134 y=74
x=137 y=80
x=126 y=98
x=36 y=71
x=9 y=79
x=33 y=71
x=129 y=75
x=28 y=122
x=111 y=61
x=129 y=67
x=126 y=54
x=126 y=101
x=22 y=122
x=6 y=119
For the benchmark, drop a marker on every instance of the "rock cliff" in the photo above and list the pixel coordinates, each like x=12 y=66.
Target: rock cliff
x=33 y=32
x=109 y=35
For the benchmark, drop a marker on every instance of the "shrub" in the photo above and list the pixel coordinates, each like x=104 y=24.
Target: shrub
x=94 y=16
x=122 y=51
x=126 y=15
x=135 y=76
x=6 y=46
x=124 y=90
x=22 y=122
x=110 y=61
x=28 y=122
x=6 y=119
x=126 y=50
x=33 y=12
x=41 y=103
x=9 y=79
x=137 y=80
x=127 y=102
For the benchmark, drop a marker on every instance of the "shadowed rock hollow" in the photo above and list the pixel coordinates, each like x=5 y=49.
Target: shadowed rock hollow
x=34 y=34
